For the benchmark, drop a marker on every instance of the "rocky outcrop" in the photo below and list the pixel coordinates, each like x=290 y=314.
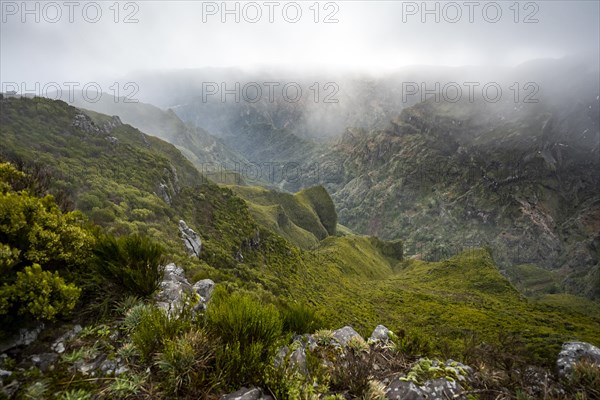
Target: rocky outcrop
x=247 y=394
x=112 y=124
x=415 y=385
x=23 y=338
x=574 y=352
x=59 y=344
x=191 y=240
x=163 y=192
x=380 y=335
x=431 y=390
x=345 y=334
x=204 y=288
x=175 y=290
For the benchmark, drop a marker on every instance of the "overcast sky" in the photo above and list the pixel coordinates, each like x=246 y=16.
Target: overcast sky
x=373 y=35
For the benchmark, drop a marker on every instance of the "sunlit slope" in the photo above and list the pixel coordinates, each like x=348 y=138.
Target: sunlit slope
x=303 y=218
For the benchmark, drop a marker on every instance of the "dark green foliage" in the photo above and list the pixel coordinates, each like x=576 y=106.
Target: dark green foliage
x=39 y=247
x=352 y=370
x=585 y=380
x=134 y=264
x=413 y=343
x=38 y=294
x=151 y=327
x=249 y=331
x=299 y=318
x=186 y=363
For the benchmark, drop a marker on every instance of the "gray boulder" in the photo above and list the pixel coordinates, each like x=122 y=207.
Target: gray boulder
x=23 y=338
x=435 y=389
x=297 y=358
x=204 y=288
x=343 y=335
x=247 y=394
x=175 y=289
x=44 y=361
x=191 y=240
x=573 y=352
x=59 y=344
x=380 y=334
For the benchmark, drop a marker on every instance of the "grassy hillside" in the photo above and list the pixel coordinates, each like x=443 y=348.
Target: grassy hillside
x=304 y=218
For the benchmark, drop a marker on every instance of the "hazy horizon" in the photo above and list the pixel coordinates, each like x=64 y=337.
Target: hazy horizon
x=351 y=36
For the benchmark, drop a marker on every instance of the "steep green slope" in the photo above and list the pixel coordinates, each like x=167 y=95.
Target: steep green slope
x=122 y=178
x=304 y=218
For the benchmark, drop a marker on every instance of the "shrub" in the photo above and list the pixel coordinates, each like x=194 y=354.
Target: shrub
x=412 y=343
x=249 y=331
x=353 y=369
x=585 y=380
x=186 y=362
x=75 y=394
x=41 y=232
x=40 y=294
x=426 y=369
x=153 y=327
x=126 y=386
x=134 y=264
x=300 y=318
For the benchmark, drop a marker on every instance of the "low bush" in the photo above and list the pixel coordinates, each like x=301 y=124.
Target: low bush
x=300 y=319
x=353 y=369
x=151 y=328
x=249 y=331
x=133 y=264
x=186 y=363
x=39 y=294
x=585 y=380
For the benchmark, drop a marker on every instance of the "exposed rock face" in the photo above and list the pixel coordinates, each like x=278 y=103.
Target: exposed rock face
x=247 y=394
x=59 y=344
x=191 y=240
x=343 y=335
x=297 y=358
x=44 y=361
x=435 y=389
x=85 y=123
x=109 y=126
x=175 y=289
x=572 y=353
x=163 y=192
x=204 y=288
x=24 y=338
x=380 y=334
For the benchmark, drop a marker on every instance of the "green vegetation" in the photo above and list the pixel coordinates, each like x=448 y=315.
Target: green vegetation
x=532 y=280
x=134 y=264
x=303 y=218
x=38 y=294
x=39 y=245
x=281 y=264
x=249 y=331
